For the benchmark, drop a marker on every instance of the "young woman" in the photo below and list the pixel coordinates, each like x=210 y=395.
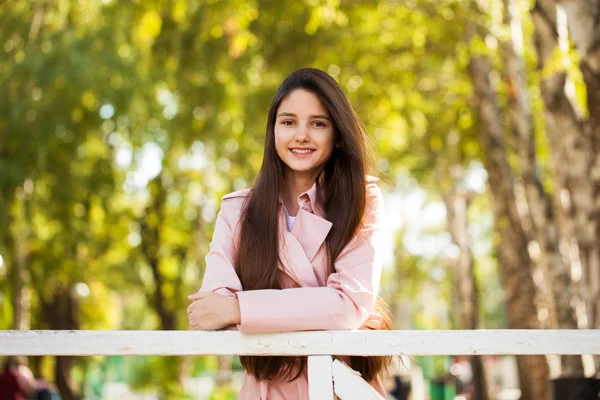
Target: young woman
x=299 y=250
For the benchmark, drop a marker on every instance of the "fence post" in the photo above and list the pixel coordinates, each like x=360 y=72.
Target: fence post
x=349 y=385
x=320 y=378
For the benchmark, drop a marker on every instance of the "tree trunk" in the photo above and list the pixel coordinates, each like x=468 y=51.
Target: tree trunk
x=17 y=283
x=150 y=245
x=570 y=143
x=557 y=292
x=513 y=257
x=465 y=284
x=61 y=313
x=150 y=224
x=62 y=378
x=583 y=18
x=18 y=270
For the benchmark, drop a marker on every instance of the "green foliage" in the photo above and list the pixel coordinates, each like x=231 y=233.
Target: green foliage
x=149 y=370
x=224 y=393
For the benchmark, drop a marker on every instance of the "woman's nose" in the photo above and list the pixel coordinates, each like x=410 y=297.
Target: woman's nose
x=303 y=133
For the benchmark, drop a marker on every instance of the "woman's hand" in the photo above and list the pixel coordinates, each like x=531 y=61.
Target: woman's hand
x=211 y=311
x=374 y=322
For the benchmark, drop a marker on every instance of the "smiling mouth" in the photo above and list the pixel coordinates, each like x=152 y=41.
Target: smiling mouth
x=301 y=151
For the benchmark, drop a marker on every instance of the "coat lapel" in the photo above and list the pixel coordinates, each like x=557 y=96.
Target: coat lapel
x=299 y=247
x=285 y=264
x=311 y=231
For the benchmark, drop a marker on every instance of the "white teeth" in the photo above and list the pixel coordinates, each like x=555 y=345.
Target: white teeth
x=298 y=151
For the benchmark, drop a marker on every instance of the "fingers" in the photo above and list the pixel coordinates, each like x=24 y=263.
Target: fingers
x=195 y=297
x=192 y=321
x=199 y=295
x=191 y=308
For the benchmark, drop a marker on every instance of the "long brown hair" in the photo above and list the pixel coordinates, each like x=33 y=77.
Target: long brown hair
x=343 y=202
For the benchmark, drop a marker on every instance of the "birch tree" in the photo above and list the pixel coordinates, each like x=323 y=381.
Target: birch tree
x=514 y=261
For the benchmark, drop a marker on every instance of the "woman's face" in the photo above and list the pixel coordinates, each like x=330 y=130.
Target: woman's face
x=304 y=134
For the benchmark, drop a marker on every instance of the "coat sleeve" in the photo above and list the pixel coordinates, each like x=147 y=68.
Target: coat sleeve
x=220 y=275
x=347 y=300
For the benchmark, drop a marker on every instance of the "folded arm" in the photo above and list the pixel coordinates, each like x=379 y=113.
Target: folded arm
x=345 y=303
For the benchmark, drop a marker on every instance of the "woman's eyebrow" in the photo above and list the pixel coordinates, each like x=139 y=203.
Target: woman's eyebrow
x=288 y=114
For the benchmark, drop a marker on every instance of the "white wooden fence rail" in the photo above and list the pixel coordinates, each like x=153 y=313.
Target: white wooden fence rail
x=325 y=376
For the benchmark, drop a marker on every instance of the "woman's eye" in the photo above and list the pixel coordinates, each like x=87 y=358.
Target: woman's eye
x=320 y=124
x=287 y=122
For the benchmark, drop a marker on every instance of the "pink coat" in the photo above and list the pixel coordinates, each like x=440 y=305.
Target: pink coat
x=310 y=300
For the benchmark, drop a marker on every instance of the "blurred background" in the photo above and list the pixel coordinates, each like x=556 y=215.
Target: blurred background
x=123 y=123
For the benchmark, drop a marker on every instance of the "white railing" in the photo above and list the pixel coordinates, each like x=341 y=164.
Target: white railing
x=324 y=375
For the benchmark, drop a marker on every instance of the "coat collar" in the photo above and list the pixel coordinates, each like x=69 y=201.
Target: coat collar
x=308 y=201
